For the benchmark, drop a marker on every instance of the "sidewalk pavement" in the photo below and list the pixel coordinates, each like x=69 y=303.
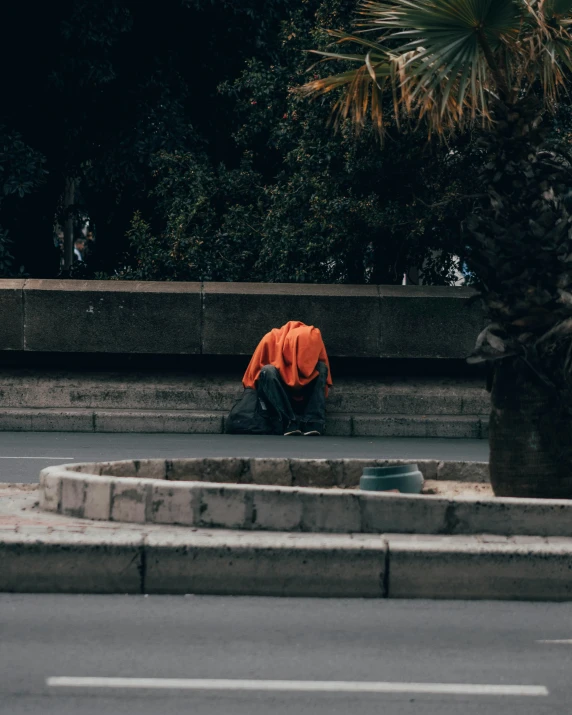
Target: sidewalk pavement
x=48 y=553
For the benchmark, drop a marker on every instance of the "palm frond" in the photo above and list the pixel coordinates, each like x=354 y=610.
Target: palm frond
x=447 y=61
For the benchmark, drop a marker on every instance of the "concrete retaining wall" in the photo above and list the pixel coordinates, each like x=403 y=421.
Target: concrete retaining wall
x=230 y=318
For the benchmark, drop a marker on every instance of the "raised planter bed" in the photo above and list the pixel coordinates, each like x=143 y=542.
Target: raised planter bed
x=291 y=495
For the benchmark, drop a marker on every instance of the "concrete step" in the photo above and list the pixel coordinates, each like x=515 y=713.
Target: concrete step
x=79 y=401
x=212 y=422
x=381 y=396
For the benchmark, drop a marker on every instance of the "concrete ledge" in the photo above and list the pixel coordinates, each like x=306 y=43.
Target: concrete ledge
x=167 y=492
x=230 y=318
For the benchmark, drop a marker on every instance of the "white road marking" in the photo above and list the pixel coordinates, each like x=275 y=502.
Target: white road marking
x=305 y=686
x=567 y=641
x=48 y=458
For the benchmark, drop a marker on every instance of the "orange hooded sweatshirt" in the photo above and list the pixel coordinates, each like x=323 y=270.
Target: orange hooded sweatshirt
x=295 y=350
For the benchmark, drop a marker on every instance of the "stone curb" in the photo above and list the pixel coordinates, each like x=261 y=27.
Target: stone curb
x=522 y=569
x=282 y=564
x=255 y=507
x=71 y=563
x=36 y=419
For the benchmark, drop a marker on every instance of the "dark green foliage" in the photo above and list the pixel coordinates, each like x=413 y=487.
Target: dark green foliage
x=100 y=87
x=193 y=158
x=207 y=234
x=21 y=172
x=304 y=204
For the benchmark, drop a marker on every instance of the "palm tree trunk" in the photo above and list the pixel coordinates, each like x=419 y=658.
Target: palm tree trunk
x=530 y=435
x=519 y=238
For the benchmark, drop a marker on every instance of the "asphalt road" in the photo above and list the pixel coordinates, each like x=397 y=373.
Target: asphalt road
x=260 y=639
x=24 y=454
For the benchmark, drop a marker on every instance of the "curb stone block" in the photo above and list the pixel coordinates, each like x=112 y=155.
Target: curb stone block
x=129 y=500
x=272 y=510
x=339 y=425
x=352 y=472
x=459 y=568
x=461 y=427
x=70 y=563
x=336 y=511
x=316 y=473
x=511 y=516
x=97 y=503
x=458 y=427
x=285 y=565
x=476 y=402
x=271 y=471
x=224 y=507
x=223 y=470
x=127 y=421
x=173 y=503
x=199 y=423
x=124 y=468
x=50 y=491
x=73 y=496
x=183 y=470
x=14 y=420
x=404 y=403
x=147 y=468
x=62 y=420
x=382 y=513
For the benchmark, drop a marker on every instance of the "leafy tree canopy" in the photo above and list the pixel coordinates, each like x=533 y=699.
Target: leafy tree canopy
x=194 y=159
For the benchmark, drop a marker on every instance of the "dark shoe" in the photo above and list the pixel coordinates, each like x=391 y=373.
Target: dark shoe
x=312 y=430
x=292 y=430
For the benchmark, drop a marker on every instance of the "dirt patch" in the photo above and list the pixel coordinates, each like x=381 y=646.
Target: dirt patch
x=452 y=489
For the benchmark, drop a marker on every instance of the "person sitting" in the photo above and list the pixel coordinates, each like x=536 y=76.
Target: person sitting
x=285 y=385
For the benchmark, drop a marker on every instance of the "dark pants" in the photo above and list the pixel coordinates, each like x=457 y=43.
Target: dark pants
x=277 y=395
